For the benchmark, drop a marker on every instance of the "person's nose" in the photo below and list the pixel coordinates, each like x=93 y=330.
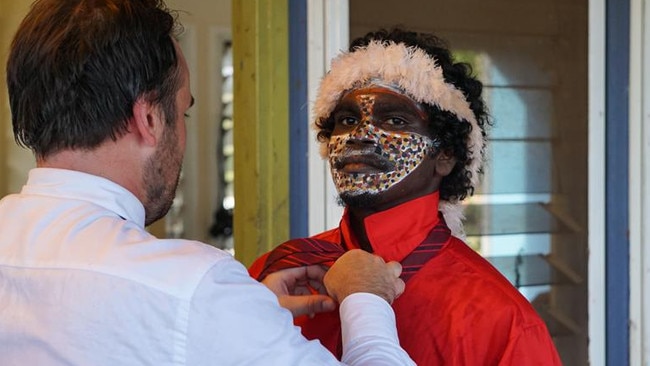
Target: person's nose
x=363 y=134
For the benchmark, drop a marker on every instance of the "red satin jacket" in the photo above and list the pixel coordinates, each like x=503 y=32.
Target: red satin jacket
x=456 y=310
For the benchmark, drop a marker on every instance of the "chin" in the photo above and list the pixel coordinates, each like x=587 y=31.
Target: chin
x=158 y=211
x=359 y=200
x=161 y=198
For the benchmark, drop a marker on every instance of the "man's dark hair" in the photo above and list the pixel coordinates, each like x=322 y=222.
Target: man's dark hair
x=77 y=67
x=444 y=126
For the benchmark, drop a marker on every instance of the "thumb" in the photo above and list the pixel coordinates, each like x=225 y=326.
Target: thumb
x=307 y=304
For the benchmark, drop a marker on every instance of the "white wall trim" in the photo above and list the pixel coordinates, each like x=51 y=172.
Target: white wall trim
x=596 y=203
x=644 y=222
x=327 y=35
x=639 y=177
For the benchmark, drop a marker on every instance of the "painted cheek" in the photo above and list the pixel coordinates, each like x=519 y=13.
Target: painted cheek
x=405 y=151
x=336 y=145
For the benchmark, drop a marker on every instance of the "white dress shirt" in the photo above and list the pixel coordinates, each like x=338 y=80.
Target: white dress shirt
x=83 y=283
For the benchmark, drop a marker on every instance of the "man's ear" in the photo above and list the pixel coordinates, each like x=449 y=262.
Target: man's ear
x=147 y=122
x=445 y=162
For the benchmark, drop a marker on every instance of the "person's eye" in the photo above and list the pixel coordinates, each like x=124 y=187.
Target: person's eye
x=348 y=121
x=396 y=121
x=187 y=115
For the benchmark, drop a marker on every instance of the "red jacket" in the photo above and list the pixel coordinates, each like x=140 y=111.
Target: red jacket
x=456 y=310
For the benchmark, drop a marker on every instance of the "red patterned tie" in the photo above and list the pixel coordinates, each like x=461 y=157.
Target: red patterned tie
x=310 y=251
x=301 y=252
x=428 y=249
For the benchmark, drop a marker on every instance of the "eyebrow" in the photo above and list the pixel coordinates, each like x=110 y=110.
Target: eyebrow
x=414 y=108
x=191 y=102
x=346 y=106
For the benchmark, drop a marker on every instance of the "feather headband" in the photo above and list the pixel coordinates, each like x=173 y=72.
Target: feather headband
x=416 y=74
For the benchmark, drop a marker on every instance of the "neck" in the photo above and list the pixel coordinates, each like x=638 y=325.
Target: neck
x=111 y=160
x=358 y=227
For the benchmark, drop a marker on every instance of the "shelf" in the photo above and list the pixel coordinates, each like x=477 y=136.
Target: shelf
x=535 y=270
x=558 y=323
x=503 y=219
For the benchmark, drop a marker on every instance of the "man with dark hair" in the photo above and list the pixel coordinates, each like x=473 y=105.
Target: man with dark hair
x=403 y=128
x=98 y=90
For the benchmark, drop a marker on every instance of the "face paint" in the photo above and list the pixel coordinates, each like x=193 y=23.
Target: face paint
x=394 y=154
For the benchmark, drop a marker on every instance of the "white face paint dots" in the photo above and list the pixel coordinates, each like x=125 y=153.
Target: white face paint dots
x=369 y=159
x=400 y=154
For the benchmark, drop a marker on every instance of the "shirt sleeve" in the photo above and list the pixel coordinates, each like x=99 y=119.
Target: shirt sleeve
x=235 y=320
x=369 y=332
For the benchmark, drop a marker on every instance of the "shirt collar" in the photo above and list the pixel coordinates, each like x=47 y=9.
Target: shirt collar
x=396 y=232
x=80 y=186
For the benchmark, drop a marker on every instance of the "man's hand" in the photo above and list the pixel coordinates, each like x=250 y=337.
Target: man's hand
x=301 y=290
x=359 y=271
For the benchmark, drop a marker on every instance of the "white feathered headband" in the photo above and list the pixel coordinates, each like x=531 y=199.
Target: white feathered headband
x=416 y=74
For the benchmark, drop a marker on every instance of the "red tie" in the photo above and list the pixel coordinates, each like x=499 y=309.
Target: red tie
x=301 y=252
x=429 y=248
x=310 y=251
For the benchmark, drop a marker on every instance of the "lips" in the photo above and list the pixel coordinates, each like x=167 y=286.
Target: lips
x=362 y=164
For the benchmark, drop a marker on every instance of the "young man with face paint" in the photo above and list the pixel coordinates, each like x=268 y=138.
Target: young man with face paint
x=403 y=129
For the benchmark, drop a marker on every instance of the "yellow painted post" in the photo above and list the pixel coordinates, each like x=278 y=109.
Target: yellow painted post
x=261 y=126
x=11 y=14
x=5 y=117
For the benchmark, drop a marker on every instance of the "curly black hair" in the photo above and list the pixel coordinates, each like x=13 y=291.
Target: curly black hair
x=445 y=126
